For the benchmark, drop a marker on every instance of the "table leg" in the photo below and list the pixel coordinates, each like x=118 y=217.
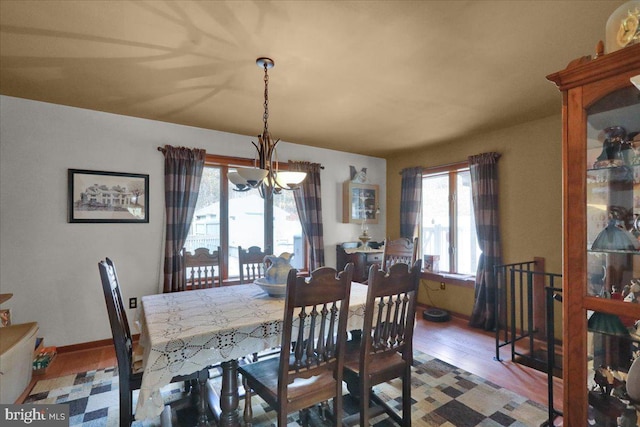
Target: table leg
x=225 y=404
x=229 y=394
x=203 y=377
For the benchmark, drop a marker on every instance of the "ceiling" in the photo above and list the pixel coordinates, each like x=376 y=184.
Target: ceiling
x=369 y=77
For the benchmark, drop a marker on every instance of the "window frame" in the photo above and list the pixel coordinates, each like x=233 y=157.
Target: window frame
x=226 y=163
x=451 y=276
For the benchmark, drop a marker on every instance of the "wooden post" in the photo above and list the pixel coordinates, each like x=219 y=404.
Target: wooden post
x=539 y=299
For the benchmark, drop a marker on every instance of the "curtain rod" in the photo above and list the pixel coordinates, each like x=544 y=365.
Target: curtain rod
x=163 y=150
x=446 y=165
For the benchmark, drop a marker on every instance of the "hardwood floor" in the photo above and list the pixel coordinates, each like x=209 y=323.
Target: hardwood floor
x=474 y=350
x=453 y=342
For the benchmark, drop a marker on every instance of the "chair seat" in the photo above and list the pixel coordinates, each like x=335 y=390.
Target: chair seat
x=137 y=367
x=382 y=368
x=138 y=354
x=264 y=375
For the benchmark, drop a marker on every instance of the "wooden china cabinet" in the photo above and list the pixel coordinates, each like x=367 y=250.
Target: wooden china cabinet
x=601 y=256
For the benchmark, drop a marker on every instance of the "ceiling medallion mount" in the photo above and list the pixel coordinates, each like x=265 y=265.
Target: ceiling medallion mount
x=261 y=62
x=265 y=175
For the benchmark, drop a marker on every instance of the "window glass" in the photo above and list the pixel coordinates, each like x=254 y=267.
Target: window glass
x=467 y=242
x=205 y=226
x=435 y=218
x=287 y=230
x=246 y=224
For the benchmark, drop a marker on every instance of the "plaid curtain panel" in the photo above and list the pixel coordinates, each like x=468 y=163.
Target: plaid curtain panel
x=484 y=189
x=182 y=174
x=410 y=201
x=309 y=204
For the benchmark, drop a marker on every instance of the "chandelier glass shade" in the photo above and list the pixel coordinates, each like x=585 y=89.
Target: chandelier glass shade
x=289 y=179
x=247 y=177
x=265 y=175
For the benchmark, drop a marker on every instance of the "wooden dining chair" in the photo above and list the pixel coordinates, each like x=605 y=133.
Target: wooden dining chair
x=402 y=250
x=129 y=370
x=251 y=263
x=399 y=250
x=385 y=350
x=201 y=269
x=315 y=319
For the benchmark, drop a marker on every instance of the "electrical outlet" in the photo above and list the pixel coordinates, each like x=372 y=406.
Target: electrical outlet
x=133 y=302
x=443 y=286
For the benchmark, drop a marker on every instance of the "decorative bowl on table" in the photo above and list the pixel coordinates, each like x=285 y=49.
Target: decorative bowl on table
x=276 y=290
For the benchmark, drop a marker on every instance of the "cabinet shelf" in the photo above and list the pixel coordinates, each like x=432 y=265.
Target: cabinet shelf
x=631 y=338
x=611 y=251
x=614 y=306
x=621 y=168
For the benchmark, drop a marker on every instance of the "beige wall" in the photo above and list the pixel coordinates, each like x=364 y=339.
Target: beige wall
x=530 y=196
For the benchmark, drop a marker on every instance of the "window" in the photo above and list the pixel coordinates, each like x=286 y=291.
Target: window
x=228 y=219
x=448 y=223
x=205 y=224
x=287 y=230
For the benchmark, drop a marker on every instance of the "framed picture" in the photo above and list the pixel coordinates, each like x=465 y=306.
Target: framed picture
x=97 y=196
x=360 y=202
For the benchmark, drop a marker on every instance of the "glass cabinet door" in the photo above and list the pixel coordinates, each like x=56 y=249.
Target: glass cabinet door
x=613 y=253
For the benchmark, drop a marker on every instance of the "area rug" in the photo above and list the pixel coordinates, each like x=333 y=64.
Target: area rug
x=442 y=394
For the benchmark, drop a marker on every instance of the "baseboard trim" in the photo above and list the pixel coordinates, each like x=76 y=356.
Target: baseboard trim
x=91 y=345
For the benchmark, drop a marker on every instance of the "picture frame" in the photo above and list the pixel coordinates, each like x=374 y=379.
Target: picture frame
x=360 y=202
x=107 y=197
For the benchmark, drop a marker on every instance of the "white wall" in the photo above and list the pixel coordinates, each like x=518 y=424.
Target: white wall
x=51 y=266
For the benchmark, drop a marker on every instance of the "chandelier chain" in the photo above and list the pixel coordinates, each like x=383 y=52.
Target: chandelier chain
x=265 y=115
x=265 y=175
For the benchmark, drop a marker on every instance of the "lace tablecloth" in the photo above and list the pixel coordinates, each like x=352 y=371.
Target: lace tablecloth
x=184 y=332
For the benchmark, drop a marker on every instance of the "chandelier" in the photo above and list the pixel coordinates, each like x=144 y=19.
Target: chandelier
x=265 y=175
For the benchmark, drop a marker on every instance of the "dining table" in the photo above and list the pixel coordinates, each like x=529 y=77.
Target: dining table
x=190 y=331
